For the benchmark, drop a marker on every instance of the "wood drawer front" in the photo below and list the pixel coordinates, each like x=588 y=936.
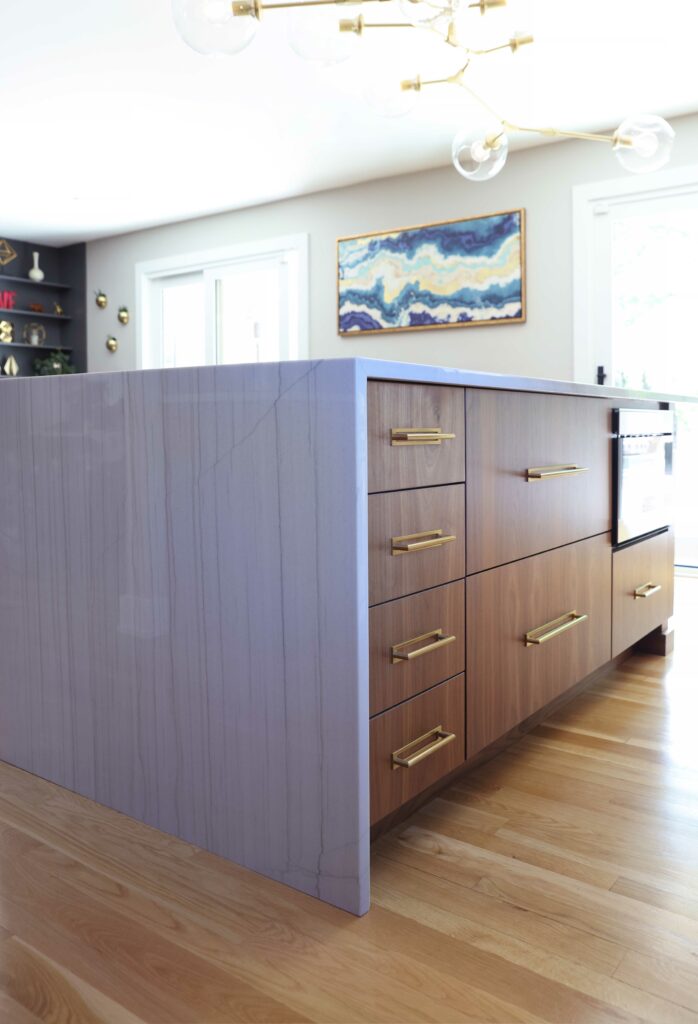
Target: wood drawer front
x=508 y=681
x=393 y=467
x=650 y=561
x=434 y=616
x=444 y=706
x=408 y=514
x=510 y=517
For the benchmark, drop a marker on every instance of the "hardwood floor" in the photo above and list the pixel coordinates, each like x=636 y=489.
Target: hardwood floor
x=557 y=883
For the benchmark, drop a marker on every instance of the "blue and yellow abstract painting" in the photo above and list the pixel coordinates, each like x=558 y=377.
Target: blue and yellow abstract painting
x=457 y=274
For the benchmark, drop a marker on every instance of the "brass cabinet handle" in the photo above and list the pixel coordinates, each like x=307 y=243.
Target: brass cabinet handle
x=547 y=472
x=419 y=541
x=399 y=654
x=435 y=739
x=418 y=435
x=646 y=590
x=551 y=629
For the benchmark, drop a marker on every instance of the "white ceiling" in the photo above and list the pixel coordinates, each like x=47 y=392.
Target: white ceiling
x=111 y=123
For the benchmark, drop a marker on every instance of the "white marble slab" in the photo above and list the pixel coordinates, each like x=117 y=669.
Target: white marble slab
x=183 y=614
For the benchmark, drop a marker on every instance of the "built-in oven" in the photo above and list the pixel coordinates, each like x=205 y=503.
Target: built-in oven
x=642 y=467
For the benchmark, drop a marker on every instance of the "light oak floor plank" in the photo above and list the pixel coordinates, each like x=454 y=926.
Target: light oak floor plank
x=557 y=883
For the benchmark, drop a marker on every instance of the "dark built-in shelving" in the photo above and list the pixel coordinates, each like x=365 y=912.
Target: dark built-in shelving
x=66 y=273
x=28 y=312
x=35 y=284
x=7 y=346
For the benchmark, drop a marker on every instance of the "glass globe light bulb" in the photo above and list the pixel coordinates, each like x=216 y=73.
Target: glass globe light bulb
x=391 y=96
x=315 y=35
x=210 y=27
x=427 y=12
x=480 y=157
x=643 y=143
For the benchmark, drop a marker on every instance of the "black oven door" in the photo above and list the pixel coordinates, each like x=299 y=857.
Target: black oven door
x=643 y=497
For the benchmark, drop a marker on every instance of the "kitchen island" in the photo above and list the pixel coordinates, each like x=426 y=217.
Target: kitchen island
x=265 y=607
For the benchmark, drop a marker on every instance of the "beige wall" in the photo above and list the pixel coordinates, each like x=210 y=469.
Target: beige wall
x=539 y=179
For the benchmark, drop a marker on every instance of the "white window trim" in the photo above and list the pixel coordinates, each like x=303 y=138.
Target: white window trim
x=585 y=200
x=209 y=259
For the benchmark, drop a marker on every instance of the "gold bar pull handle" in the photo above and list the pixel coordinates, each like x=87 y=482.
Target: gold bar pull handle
x=548 y=472
x=399 y=653
x=646 y=590
x=418 y=435
x=542 y=634
x=426 y=745
x=419 y=541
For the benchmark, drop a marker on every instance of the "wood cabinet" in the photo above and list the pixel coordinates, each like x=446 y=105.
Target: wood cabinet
x=416 y=436
x=426 y=735
x=561 y=600
x=416 y=540
x=520 y=483
x=415 y=643
x=516 y=444
x=643 y=589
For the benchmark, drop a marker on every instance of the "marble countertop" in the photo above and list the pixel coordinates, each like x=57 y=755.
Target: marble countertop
x=383 y=369
x=388 y=370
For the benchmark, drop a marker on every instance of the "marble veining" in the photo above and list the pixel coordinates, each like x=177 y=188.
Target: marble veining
x=182 y=612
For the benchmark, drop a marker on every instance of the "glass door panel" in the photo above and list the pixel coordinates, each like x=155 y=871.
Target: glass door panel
x=252 y=312
x=650 y=309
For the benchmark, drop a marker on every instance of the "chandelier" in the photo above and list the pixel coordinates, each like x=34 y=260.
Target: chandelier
x=640 y=143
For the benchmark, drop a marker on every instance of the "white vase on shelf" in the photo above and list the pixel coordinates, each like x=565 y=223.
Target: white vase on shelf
x=36 y=273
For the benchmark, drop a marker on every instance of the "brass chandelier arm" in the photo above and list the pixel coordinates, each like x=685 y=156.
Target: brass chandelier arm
x=418 y=83
x=359 y=26
x=614 y=139
x=514 y=43
x=254 y=8
x=485 y=5
x=560 y=133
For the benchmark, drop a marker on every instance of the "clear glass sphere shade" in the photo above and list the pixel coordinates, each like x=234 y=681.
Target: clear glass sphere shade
x=479 y=157
x=427 y=12
x=210 y=27
x=643 y=143
x=314 y=35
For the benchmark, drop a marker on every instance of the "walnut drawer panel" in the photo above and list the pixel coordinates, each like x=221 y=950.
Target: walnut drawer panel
x=645 y=568
x=396 y=465
x=432 y=521
x=507 y=680
x=443 y=707
x=512 y=517
x=435 y=619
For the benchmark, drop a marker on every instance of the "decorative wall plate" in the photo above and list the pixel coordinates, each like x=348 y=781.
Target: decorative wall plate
x=34 y=334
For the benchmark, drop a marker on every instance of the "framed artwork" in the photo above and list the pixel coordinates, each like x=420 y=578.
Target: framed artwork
x=459 y=273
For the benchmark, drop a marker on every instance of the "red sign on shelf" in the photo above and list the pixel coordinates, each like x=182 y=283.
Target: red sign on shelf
x=7 y=300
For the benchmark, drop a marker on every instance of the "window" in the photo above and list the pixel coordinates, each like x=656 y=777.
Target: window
x=244 y=304
x=634 y=268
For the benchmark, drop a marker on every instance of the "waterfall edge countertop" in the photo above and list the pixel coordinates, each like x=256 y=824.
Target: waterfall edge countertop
x=184 y=600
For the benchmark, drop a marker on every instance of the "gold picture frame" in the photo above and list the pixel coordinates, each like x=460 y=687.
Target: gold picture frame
x=373 y=308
